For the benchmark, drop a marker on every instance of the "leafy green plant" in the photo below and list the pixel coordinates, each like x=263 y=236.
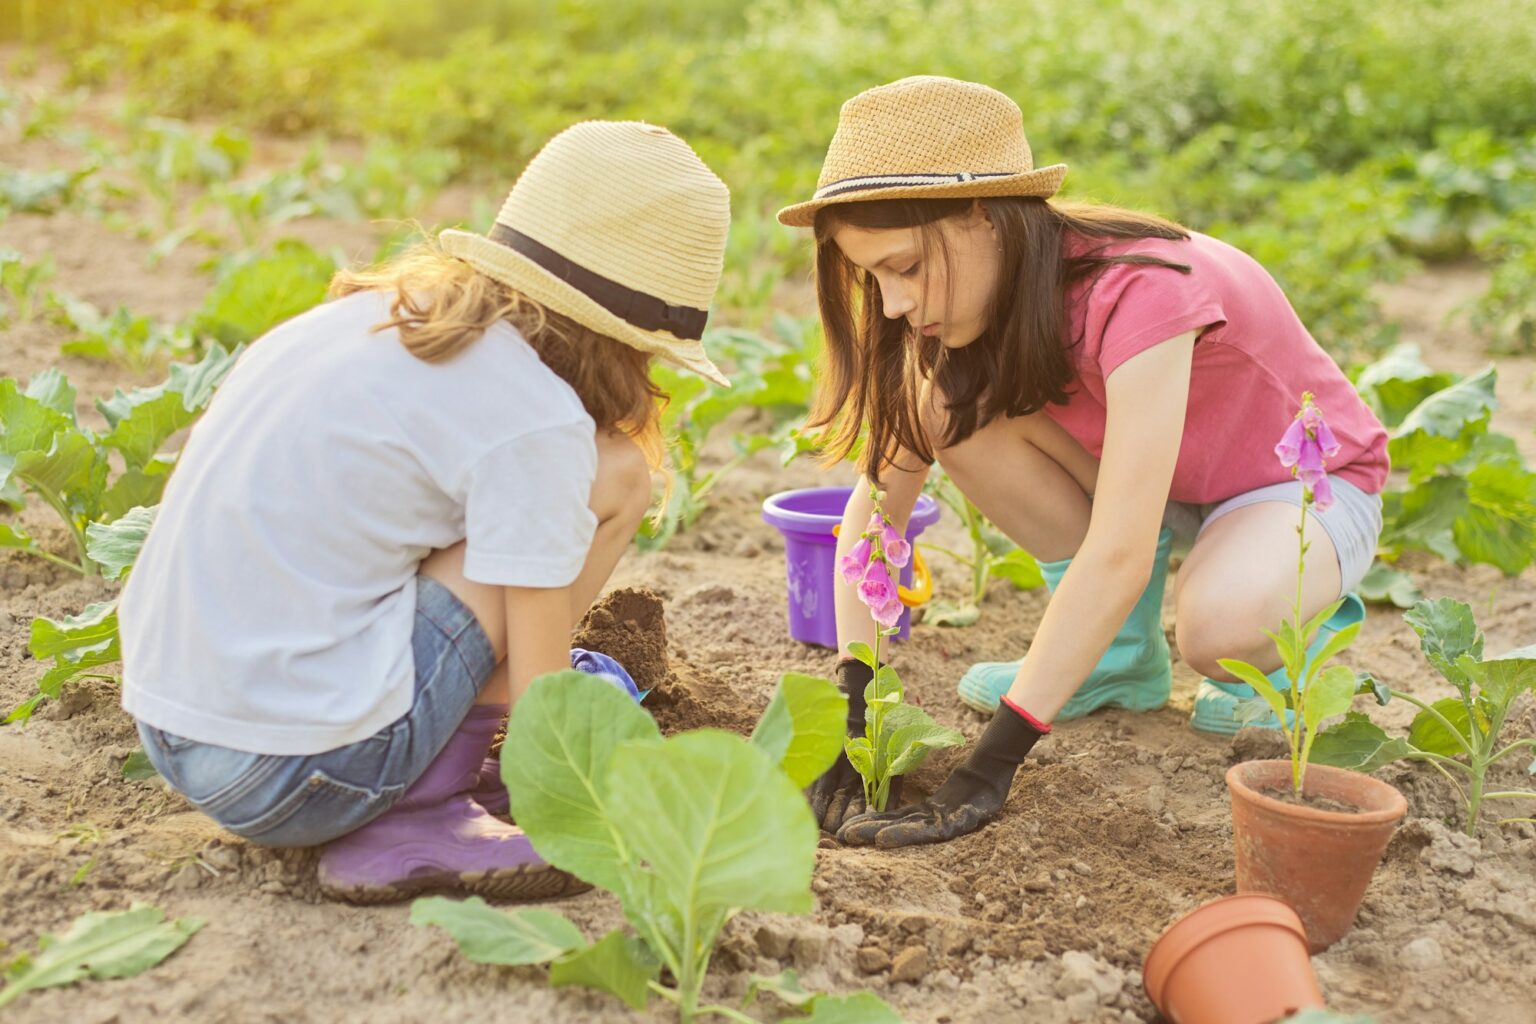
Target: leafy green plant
x=1506 y=313
x=1469 y=496
x=771 y=374
x=42 y=191
x=992 y=556
x=1317 y=690
x=897 y=736
x=1460 y=732
x=100 y=944
x=80 y=644
x=684 y=831
x=121 y=336
x=254 y=293
x=47 y=454
x=22 y=283
x=168 y=155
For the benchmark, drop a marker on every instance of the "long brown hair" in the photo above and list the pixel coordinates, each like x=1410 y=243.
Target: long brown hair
x=874 y=368
x=442 y=305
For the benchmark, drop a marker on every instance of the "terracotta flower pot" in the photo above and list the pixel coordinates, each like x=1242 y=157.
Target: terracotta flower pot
x=1318 y=861
x=1235 y=960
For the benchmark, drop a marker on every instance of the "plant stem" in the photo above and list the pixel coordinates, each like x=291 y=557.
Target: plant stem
x=727 y=1013
x=1474 y=802
x=1511 y=748
x=1296 y=671
x=87 y=567
x=1440 y=718
x=1510 y=794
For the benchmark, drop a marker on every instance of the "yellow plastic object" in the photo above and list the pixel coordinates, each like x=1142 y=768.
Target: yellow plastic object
x=922 y=582
x=921 y=591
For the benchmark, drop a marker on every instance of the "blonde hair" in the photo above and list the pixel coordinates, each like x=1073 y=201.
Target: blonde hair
x=442 y=305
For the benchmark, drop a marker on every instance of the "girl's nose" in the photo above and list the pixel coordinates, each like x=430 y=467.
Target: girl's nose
x=898 y=302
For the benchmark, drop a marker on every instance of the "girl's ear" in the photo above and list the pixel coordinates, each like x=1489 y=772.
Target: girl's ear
x=979 y=215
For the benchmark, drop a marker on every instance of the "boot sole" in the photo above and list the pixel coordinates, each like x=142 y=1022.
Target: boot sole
x=529 y=883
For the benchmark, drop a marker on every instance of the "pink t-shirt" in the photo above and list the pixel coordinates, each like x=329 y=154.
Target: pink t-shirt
x=1252 y=361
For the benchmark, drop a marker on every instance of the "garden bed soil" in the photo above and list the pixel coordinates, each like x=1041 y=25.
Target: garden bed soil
x=1118 y=825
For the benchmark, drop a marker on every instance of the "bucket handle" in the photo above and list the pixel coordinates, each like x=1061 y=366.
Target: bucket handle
x=921 y=591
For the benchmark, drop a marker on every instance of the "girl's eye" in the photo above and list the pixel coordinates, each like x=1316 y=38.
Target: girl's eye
x=910 y=270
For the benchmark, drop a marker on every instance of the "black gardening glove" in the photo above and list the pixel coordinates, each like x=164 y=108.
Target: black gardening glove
x=839 y=794
x=973 y=794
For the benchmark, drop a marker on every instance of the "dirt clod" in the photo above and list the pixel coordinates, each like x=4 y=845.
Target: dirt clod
x=910 y=964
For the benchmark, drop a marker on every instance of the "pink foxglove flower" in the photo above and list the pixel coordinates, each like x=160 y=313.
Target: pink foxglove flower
x=897 y=551
x=1304 y=449
x=887 y=614
x=877 y=589
x=851 y=566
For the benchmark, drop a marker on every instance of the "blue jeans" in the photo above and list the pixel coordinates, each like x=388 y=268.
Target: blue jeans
x=308 y=799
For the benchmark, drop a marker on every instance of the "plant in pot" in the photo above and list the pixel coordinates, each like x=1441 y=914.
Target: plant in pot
x=1309 y=834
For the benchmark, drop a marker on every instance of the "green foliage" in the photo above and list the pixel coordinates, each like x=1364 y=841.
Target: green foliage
x=897 y=736
x=684 y=831
x=1470 y=497
x=992 y=556
x=100 y=944
x=1307 y=132
x=255 y=293
x=22 y=285
x=1459 y=732
x=42 y=191
x=769 y=374
x=120 y=336
x=1506 y=314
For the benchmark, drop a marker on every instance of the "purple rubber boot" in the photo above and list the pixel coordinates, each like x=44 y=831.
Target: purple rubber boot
x=437 y=837
x=489 y=792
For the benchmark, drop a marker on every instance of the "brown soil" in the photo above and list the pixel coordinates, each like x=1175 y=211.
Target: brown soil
x=1120 y=824
x=1320 y=803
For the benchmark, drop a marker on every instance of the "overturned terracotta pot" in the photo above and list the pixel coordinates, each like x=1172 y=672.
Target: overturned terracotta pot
x=1318 y=860
x=1235 y=960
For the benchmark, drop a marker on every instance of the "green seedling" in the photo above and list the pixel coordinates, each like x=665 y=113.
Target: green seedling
x=120 y=336
x=23 y=285
x=253 y=293
x=685 y=831
x=101 y=944
x=897 y=736
x=992 y=556
x=1458 y=736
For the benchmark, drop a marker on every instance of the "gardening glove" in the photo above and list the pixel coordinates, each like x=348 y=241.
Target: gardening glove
x=973 y=794
x=839 y=794
x=605 y=668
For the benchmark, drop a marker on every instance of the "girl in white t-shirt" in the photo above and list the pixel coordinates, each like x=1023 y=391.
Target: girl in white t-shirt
x=398 y=506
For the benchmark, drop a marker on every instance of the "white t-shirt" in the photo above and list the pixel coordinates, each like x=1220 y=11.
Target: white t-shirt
x=271 y=608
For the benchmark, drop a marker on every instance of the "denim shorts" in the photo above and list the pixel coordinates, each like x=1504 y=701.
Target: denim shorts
x=1352 y=522
x=308 y=799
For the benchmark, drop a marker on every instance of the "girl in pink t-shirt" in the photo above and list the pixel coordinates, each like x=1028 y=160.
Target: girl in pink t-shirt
x=1095 y=381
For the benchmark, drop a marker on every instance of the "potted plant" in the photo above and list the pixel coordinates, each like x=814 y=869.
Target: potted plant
x=1309 y=834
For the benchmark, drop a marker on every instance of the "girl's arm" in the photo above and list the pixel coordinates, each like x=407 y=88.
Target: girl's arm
x=903 y=482
x=538 y=635
x=1146 y=396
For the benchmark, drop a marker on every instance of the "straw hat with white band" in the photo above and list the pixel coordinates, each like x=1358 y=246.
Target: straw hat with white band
x=619 y=226
x=926 y=138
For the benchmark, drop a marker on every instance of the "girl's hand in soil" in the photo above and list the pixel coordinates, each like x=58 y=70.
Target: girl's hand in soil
x=839 y=794
x=973 y=794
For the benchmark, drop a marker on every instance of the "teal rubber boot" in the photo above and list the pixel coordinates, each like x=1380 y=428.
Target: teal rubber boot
x=1134 y=673
x=1216 y=704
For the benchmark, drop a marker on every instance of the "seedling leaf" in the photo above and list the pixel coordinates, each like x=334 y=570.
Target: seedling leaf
x=616 y=963
x=716 y=822
x=101 y=944
x=116 y=545
x=490 y=936
x=560 y=740
x=803 y=729
x=1359 y=744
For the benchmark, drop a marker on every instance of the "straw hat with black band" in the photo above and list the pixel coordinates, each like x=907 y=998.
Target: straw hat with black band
x=619 y=226
x=926 y=138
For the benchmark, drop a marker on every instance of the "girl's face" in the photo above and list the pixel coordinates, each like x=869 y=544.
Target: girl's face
x=940 y=298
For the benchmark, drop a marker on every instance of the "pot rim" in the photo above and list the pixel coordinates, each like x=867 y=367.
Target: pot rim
x=1209 y=921
x=1396 y=809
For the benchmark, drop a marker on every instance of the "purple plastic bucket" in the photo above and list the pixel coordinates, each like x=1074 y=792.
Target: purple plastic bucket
x=806 y=518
